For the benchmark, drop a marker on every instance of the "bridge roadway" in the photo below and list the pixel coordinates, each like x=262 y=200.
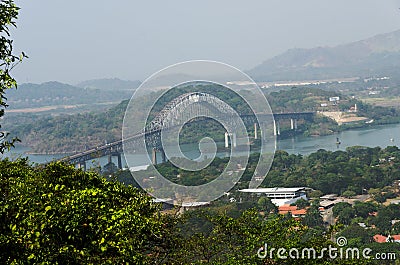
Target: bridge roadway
x=116 y=149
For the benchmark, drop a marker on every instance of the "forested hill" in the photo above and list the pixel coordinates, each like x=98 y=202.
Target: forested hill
x=109 y=84
x=67 y=133
x=53 y=93
x=314 y=99
x=78 y=132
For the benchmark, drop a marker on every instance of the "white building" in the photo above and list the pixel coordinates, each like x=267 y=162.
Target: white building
x=280 y=196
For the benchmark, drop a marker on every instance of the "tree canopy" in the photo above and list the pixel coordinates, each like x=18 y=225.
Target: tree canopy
x=57 y=214
x=8 y=15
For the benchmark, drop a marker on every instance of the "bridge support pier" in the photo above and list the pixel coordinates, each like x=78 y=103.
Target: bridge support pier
x=293 y=124
x=154 y=156
x=119 y=161
x=278 y=128
x=275 y=128
x=233 y=139
x=255 y=131
x=263 y=131
x=109 y=159
x=163 y=157
x=82 y=165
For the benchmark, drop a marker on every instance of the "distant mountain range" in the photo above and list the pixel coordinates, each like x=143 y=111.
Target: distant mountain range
x=109 y=84
x=376 y=56
x=379 y=55
x=101 y=91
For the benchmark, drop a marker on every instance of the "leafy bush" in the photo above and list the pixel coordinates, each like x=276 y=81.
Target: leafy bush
x=57 y=214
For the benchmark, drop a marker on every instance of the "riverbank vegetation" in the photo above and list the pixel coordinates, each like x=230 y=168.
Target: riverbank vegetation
x=56 y=214
x=356 y=171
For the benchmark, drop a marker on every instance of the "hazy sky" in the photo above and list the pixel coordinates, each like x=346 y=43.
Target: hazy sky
x=72 y=41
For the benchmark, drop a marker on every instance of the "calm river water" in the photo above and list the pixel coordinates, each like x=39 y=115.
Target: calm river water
x=382 y=136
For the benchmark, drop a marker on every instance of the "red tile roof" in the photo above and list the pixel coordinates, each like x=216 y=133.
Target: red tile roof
x=383 y=239
x=380 y=238
x=287 y=207
x=299 y=212
x=396 y=237
x=284 y=209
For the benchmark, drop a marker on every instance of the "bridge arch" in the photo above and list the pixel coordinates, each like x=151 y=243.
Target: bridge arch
x=166 y=117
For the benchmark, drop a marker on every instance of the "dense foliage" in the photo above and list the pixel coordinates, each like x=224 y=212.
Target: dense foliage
x=361 y=221
x=215 y=238
x=358 y=169
x=8 y=15
x=56 y=214
x=299 y=99
x=69 y=133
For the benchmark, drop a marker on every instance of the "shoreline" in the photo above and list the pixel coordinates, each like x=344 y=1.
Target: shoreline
x=284 y=137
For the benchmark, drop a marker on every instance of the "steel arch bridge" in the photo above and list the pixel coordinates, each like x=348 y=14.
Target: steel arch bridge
x=171 y=114
x=195 y=104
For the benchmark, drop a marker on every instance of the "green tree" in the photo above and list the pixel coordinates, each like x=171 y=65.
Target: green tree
x=358 y=234
x=301 y=203
x=59 y=215
x=339 y=207
x=396 y=229
x=344 y=212
x=265 y=204
x=109 y=168
x=385 y=216
x=313 y=217
x=346 y=215
x=348 y=194
x=238 y=240
x=8 y=15
x=315 y=194
x=363 y=209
